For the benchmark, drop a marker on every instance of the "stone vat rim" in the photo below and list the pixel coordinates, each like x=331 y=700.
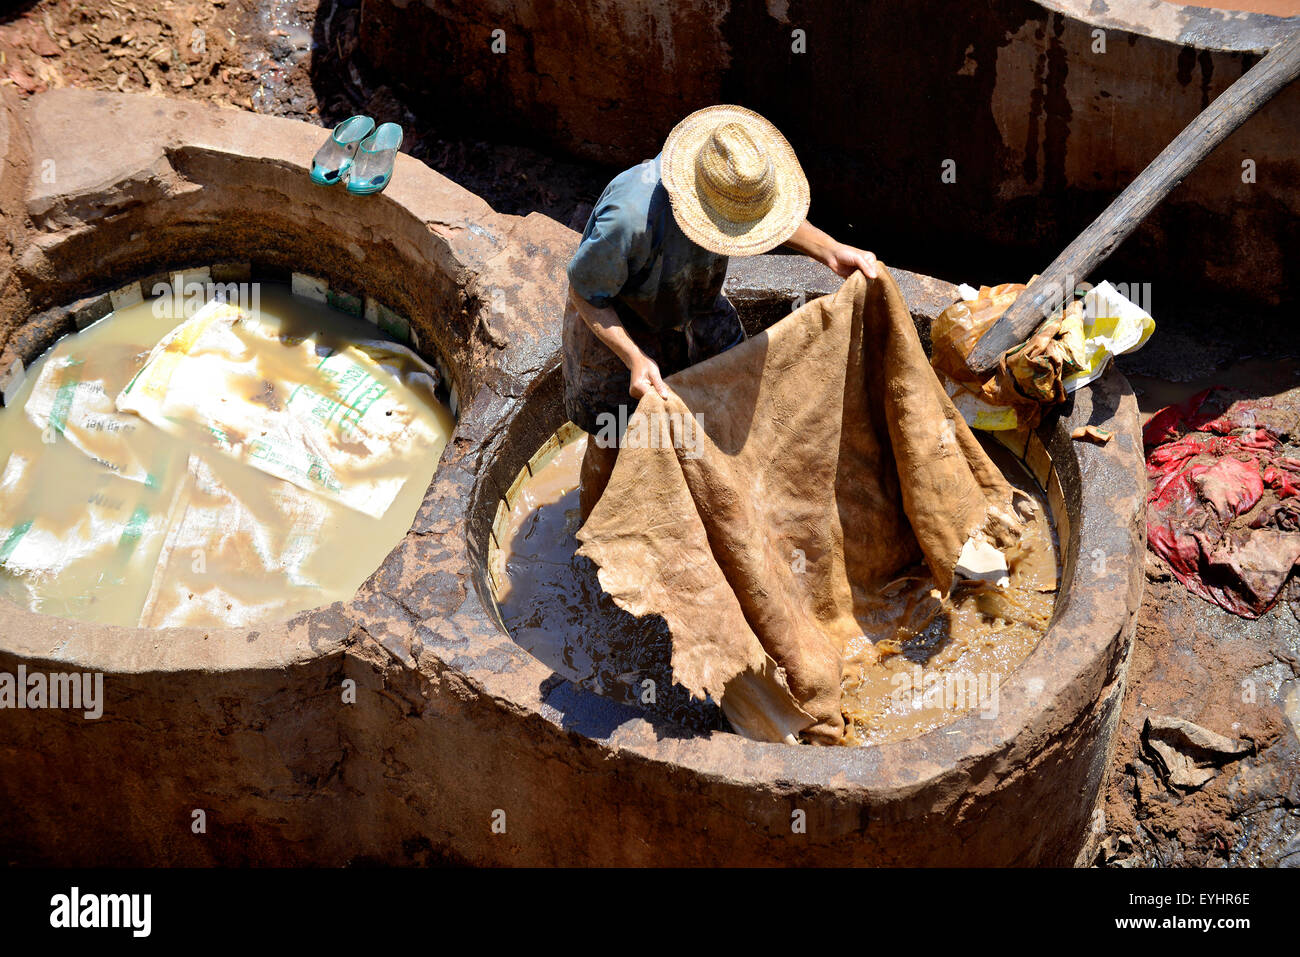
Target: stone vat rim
x=229 y=137
x=1205 y=28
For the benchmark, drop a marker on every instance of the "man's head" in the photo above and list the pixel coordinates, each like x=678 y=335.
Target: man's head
x=735 y=185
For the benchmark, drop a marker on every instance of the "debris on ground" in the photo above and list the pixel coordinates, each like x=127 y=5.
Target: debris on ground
x=1221 y=672
x=1186 y=754
x=1091 y=433
x=163 y=47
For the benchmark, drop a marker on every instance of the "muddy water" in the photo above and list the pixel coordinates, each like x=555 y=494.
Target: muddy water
x=1254 y=377
x=922 y=663
x=82 y=540
x=554 y=607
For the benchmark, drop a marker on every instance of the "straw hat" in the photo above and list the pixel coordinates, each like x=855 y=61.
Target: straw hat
x=734 y=183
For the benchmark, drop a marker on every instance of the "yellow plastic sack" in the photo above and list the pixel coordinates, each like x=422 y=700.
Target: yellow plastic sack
x=1065 y=353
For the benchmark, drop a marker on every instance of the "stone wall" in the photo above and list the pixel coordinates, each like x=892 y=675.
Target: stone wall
x=1043 y=124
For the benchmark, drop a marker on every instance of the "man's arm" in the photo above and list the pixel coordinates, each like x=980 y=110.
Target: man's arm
x=608 y=328
x=814 y=243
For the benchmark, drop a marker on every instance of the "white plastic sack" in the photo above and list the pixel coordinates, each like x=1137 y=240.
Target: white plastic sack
x=1112 y=325
x=108 y=533
x=330 y=422
x=231 y=559
x=74 y=398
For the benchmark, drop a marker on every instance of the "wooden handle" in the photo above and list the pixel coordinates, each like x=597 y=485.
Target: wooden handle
x=1055 y=286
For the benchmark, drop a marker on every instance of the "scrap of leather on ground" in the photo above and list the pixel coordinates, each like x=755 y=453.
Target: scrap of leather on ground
x=828 y=457
x=1224 y=504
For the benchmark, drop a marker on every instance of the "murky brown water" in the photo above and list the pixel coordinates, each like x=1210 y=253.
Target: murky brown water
x=922 y=663
x=144 y=526
x=554 y=607
x=1261 y=377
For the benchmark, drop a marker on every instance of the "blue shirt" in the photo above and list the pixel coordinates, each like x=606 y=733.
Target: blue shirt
x=635 y=258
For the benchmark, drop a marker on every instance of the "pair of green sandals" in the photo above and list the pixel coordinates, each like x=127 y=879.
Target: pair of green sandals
x=358 y=155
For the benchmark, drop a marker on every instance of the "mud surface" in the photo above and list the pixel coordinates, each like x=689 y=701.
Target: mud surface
x=293 y=58
x=189 y=49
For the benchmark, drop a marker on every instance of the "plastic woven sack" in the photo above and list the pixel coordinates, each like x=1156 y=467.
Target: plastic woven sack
x=331 y=422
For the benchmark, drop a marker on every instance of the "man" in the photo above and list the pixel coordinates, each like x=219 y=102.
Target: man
x=645 y=286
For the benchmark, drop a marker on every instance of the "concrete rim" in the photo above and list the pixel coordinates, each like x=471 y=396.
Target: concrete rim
x=174 y=154
x=1228 y=31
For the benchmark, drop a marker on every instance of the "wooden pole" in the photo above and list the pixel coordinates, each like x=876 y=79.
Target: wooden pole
x=1055 y=286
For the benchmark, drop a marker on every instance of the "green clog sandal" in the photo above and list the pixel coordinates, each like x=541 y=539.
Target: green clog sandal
x=332 y=161
x=373 y=167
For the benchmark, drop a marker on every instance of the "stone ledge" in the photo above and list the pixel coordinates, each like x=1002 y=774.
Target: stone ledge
x=765 y=288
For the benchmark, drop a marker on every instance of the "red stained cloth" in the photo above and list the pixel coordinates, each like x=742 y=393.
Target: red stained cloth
x=1224 y=505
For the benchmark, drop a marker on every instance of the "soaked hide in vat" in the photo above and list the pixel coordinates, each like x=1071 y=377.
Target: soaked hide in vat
x=807 y=466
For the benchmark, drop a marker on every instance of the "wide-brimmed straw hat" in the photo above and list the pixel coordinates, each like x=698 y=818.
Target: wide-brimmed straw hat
x=735 y=185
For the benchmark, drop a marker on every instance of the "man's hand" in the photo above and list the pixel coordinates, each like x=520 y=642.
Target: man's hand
x=845 y=260
x=645 y=376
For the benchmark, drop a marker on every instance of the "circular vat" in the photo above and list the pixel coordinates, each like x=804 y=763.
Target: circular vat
x=933 y=661
x=1017 y=788
x=258 y=727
